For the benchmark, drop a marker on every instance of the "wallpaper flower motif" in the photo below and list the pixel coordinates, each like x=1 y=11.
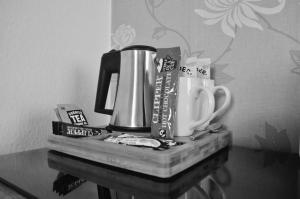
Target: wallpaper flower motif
x=162 y=30
x=274 y=140
x=123 y=36
x=172 y=23
x=232 y=13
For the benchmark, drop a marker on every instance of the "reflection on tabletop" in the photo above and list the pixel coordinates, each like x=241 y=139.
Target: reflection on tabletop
x=199 y=181
x=246 y=174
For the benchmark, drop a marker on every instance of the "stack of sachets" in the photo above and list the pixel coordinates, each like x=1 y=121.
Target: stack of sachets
x=72 y=122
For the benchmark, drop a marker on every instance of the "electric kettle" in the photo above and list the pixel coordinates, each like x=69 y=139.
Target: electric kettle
x=132 y=109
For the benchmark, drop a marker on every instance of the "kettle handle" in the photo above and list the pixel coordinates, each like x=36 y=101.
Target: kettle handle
x=110 y=63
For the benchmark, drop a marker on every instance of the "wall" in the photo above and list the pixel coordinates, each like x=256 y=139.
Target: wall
x=255 y=49
x=49 y=54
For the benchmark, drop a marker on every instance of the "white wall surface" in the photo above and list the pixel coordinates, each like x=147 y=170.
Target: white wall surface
x=50 y=53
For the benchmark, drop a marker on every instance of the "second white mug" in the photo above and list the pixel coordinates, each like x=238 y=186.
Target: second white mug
x=196 y=104
x=189 y=90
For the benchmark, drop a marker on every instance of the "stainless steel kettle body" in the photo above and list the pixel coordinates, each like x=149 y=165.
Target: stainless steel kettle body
x=135 y=87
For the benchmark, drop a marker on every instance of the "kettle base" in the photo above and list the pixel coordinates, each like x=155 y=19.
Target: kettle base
x=128 y=129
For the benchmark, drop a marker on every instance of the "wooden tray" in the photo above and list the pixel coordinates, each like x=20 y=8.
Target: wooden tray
x=132 y=183
x=163 y=164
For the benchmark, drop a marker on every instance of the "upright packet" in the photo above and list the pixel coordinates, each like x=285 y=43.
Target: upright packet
x=167 y=63
x=71 y=114
x=188 y=69
x=203 y=68
x=196 y=67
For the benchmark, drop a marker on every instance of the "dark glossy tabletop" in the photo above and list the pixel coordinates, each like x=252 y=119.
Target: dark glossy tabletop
x=231 y=173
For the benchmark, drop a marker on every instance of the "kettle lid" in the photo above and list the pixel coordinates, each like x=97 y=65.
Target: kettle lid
x=139 y=47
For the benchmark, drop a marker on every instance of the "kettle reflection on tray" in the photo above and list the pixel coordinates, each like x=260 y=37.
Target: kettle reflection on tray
x=119 y=183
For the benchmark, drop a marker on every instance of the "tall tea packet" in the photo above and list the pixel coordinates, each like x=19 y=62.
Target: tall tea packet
x=167 y=63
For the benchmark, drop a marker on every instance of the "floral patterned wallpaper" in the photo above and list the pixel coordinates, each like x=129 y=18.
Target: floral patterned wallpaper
x=255 y=50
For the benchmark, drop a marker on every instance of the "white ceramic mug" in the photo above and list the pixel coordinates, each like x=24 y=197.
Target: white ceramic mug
x=196 y=104
x=204 y=109
x=189 y=89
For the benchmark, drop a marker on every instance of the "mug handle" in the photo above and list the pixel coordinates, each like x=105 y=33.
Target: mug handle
x=226 y=103
x=195 y=94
